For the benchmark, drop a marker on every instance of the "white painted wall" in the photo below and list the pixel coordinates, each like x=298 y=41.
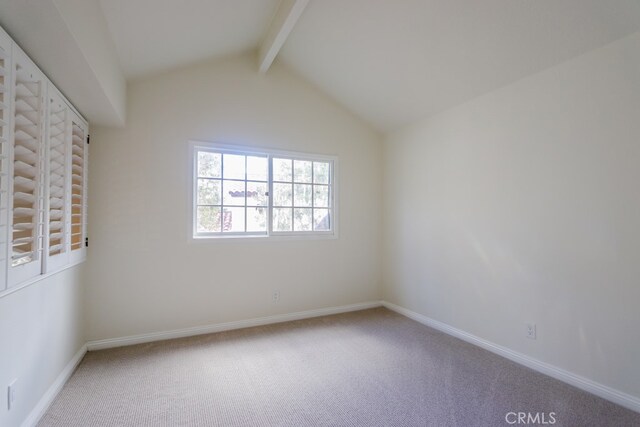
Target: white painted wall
x=523 y=206
x=146 y=275
x=41 y=329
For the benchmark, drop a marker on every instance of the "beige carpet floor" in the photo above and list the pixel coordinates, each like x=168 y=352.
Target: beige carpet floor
x=369 y=368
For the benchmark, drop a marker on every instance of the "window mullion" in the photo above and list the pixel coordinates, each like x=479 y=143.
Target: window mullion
x=246 y=210
x=313 y=196
x=270 y=198
x=221 y=193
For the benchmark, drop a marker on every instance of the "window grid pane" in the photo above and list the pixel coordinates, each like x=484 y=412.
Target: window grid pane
x=222 y=192
x=308 y=191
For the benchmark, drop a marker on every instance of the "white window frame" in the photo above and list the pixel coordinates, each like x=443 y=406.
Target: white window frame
x=199 y=146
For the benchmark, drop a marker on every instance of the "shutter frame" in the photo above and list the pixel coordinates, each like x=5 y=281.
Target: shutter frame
x=6 y=95
x=26 y=186
x=58 y=172
x=78 y=247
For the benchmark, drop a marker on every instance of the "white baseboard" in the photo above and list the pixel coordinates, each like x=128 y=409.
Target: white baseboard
x=590 y=386
x=48 y=398
x=219 y=327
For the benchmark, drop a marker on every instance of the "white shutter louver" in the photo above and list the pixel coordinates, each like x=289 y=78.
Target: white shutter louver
x=27 y=216
x=79 y=157
x=5 y=101
x=59 y=144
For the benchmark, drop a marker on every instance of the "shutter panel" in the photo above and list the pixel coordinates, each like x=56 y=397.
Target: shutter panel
x=58 y=172
x=27 y=207
x=79 y=160
x=5 y=112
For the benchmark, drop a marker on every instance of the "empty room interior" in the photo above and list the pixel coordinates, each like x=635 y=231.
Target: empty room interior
x=319 y=213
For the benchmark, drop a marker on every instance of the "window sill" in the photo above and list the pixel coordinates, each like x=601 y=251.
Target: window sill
x=263 y=238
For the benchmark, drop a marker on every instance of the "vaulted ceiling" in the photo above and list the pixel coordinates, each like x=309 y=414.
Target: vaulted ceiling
x=388 y=61
x=396 y=61
x=153 y=35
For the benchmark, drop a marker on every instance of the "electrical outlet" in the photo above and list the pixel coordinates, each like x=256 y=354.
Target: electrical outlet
x=11 y=395
x=531 y=331
x=275 y=296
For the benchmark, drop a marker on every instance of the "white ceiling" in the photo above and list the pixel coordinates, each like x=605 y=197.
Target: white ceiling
x=389 y=61
x=155 y=35
x=393 y=62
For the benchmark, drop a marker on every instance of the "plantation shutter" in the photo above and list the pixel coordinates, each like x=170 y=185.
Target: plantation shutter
x=79 y=159
x=43 y=173
x=59 y=144
x=5 y=102
x=27 y=210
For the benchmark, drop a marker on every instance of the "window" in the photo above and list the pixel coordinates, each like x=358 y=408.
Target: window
x=301 y=194
x=242 y=192
x=43 y=172
x=231 y=193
